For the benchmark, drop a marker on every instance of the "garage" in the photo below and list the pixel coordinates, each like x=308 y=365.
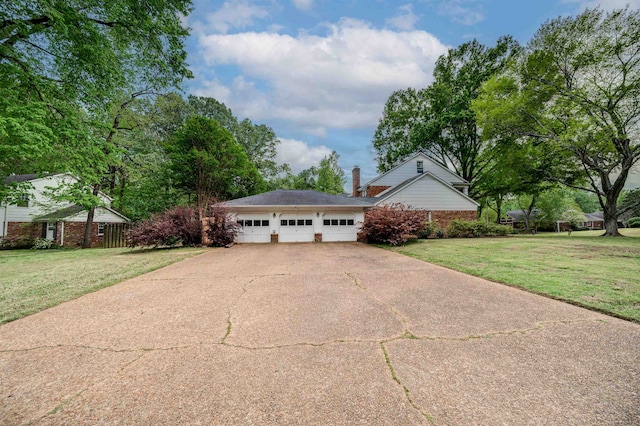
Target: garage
x=297 y=216
x=254 y=229
x=339 y=227
x=296 y=228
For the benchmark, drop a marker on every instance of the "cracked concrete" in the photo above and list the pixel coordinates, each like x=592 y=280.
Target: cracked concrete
x=317 y=334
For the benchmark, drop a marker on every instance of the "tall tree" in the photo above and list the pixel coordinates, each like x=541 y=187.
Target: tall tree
x=574 y=93
x=62 y=62
x=207 y=162
x=439 y=119
x=403 y=111
x=330 y=176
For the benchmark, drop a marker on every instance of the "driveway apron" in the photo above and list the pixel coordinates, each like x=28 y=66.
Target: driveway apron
x=339 y=333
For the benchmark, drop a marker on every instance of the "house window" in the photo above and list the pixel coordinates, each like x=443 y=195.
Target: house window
x=101 y=228
x=343 y=222
x=265 y=223
x=420 y=167
x=292 y=222
x=23 y=201
x=308 y=222
x=350 y=222
x=283 y=222
x=327 y=222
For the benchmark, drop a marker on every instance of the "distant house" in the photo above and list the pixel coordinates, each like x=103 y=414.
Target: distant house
x=420 y=182
x=593 y=220
x=38 y=216
x=517 y=218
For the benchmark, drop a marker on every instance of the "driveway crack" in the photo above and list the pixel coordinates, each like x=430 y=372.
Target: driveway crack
x=404 y=321
x=407 y=394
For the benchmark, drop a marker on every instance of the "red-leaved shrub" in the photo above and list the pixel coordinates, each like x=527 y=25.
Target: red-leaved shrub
x=393 y=224
x=221 y=229
x=169 y=228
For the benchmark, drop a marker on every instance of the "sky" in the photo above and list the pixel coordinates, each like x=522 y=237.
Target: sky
x=319 y=72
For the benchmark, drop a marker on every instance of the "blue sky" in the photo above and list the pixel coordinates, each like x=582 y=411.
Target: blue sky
x=319 y=71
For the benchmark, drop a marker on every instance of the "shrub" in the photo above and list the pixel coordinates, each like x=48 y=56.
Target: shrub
x=221 y=230
x=41 y=244
x=634 y=222
x=170 y=228
x=476 y=228
x=17 y=242
x=393 y=224
x=428 y=229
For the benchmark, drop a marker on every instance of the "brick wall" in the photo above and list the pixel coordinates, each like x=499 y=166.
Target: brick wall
x=372 y=191
x=24 y=229
x=74 y=234
x=444 y=217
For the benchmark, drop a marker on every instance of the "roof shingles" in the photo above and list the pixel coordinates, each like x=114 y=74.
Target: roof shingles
x=298 y=197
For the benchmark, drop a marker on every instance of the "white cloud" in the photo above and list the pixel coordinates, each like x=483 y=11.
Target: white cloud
x=234 y=14
x=303 y=4
x=405 y=19
x=605 y=4
x=340 y=80
x=465 y=12
x=299 y=155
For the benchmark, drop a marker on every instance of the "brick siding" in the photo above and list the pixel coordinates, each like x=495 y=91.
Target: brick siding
x=444 y=217
x=373 y=191
x=73 y=232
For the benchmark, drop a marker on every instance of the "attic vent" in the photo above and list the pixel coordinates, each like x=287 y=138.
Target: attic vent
x=420 y=167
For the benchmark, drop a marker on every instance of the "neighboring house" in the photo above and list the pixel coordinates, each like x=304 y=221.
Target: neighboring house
x=298 y=216
x=422 y=183
x=38 y=216
x=593 y=220
x=517 y=218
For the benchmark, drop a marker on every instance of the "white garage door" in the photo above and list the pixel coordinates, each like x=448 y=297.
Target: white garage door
x=254 y=229
x=296 y=228
x=337 y=227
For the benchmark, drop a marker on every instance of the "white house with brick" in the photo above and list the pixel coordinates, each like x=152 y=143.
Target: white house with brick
x=38 y=216
x=422 y=183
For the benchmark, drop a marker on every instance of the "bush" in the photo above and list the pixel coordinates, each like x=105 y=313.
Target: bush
x=170 y=228
x=428 y=229
x=476 y=228
x=41 y=244
x=221 y=230
x=393 y=224
x=19 y=242
x=634 y=222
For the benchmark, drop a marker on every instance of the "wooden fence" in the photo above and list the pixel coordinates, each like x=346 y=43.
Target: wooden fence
x=115 y=235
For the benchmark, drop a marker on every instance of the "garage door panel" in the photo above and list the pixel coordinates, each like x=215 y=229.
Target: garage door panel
x=339 y=228
x=254 y=229
x=295 y=228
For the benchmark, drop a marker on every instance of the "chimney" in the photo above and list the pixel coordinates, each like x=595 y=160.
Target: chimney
x=356 y=180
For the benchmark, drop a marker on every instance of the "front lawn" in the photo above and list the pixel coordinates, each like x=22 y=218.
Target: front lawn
x=33 y=280
x=584 y=269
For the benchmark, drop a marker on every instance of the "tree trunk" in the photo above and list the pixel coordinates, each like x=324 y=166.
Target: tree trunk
x=86 y=242
x=610 y=214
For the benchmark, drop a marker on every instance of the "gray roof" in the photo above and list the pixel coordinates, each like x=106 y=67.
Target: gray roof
x=20 y=178
x=594 y=217
x=60 y=214
x=298 y=197
x=518 y=215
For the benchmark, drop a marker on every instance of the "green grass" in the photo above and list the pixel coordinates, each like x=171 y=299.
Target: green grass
x=33 y=280
x=598 y=273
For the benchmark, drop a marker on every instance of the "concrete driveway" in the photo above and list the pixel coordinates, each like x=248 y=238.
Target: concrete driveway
x=317 y=334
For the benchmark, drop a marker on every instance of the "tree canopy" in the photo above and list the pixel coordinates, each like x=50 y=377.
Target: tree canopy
x=573 y=96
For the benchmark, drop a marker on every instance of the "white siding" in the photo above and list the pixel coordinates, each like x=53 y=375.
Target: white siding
x=409 y=170
x=100 y=215
x=430 y=194
x=40 y=204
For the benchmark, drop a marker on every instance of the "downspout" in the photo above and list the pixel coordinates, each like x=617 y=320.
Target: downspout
x=62 y=233
x=4 y=222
